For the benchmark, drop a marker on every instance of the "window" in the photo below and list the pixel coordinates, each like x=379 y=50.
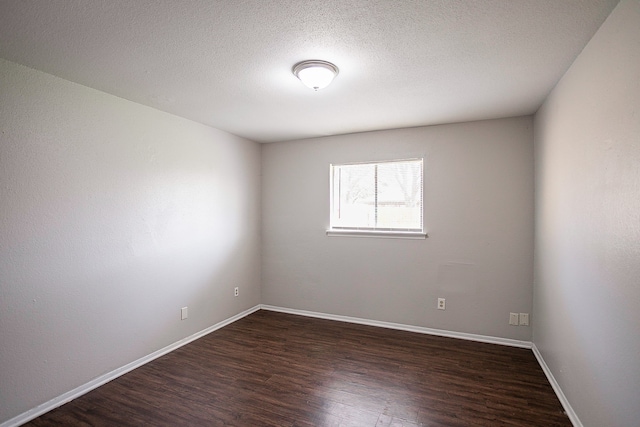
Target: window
x=381 y=198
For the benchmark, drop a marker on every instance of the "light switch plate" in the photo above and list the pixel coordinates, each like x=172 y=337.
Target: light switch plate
x=513 y=319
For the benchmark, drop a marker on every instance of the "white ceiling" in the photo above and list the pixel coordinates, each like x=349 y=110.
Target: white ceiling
x=227 y=63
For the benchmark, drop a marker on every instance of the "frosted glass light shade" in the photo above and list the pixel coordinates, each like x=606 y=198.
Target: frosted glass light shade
x=315 y=74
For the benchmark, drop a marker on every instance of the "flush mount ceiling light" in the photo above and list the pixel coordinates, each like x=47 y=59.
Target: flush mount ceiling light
x=315 y=74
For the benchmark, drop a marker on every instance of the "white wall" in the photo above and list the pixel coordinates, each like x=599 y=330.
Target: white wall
x=478 y=213
x=112 y=217
x=587 y=245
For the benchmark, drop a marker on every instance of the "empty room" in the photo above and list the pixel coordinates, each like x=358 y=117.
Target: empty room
x=320 y=213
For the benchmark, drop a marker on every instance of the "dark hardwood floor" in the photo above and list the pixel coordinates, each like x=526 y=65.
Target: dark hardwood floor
x=273 y=369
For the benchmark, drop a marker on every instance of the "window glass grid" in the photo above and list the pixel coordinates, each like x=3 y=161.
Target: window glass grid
x=377 y=196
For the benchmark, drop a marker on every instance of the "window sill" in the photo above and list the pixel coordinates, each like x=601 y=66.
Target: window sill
x=378 y=234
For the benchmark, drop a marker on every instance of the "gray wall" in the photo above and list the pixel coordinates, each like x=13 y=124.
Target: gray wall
x=112 y=217
x=478 y=213
x=587 y=256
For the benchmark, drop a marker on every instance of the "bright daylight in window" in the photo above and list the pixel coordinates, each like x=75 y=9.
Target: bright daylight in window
x=381 y=198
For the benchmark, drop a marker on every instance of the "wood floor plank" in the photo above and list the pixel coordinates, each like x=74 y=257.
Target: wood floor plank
x=275 y=369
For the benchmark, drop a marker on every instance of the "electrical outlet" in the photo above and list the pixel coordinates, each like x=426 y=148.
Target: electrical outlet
x=513 y=319
x=524 y=319
x=184 y=313
x=236 y=291
x=441 y=304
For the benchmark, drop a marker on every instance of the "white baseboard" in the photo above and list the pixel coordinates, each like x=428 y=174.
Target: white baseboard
x=573 y=417
x=402 y=327
x=103 y=379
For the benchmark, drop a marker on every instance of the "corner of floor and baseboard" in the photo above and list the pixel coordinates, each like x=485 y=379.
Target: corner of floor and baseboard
x=103 y=379
x=109 y=376
x=402 y=327
x=573 y=417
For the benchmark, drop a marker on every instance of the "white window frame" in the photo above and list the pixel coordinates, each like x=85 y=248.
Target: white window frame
x=374 y=232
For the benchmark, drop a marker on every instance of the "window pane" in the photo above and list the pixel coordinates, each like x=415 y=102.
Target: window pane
x=399 y=195
x=385 y=196
x=354 y=195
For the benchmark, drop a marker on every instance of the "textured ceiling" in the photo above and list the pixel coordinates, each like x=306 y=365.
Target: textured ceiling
x=227 y=63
